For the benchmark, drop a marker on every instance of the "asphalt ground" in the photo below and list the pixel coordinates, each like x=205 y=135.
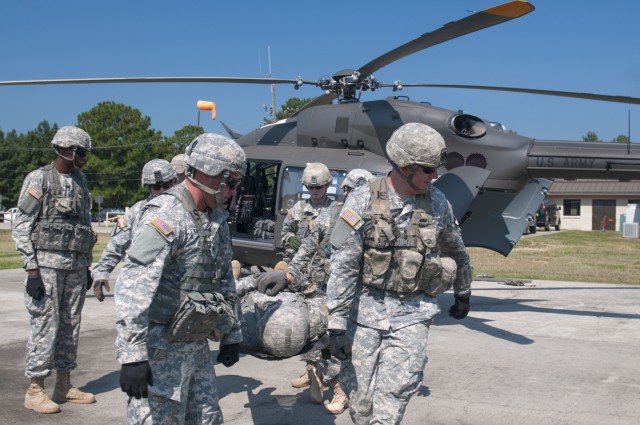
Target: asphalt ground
x=545 y=352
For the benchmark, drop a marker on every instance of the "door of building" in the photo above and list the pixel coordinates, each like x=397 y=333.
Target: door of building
x=604 y=214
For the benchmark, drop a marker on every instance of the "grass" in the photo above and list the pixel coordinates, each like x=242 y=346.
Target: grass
x=566 y=255
x=10 y=259
x=577 y=256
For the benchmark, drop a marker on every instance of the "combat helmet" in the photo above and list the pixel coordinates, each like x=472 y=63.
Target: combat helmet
x=157 y=171
x=417 y=143
x=69 y=136
x=214 y=154
x=356 y=178
x=316 y=174
x=177 y=162
x=283 y=329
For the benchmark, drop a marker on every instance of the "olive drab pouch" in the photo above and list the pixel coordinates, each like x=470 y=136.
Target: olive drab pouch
x=405 y=274
x=375 y=266
x=198 y=316
x=83 y=239
x=52 y=236
x=443 y=273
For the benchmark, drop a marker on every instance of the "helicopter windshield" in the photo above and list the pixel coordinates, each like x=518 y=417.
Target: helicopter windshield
x=292 y=189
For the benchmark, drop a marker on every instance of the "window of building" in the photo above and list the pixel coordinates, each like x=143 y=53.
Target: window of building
x=571 y=207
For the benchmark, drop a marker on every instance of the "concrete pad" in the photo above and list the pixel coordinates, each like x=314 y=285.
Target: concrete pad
x=551 y=352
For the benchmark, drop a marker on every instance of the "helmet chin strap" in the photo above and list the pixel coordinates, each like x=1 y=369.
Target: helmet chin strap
x=73 y=156
x=208 y=190
x=409 y=178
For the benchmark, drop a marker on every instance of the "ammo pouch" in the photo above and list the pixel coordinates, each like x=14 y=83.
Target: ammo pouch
x=443 y=280
x=63 y=237
x=83 y=239
x=198 y=316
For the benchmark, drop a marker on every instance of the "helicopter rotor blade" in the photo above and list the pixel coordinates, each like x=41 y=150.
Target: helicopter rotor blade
x=324 y=99
x=158 y=80
x=480 y=20
x=577 y=95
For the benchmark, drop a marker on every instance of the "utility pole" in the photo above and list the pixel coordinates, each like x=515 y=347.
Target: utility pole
x=272 y=109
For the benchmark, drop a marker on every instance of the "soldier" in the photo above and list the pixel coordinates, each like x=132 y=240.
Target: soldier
x=176 y=290
x=157 y=176
x=308 y=273
x=177 y=162
x=317 y=179
x=53 y=234
x=396 y=246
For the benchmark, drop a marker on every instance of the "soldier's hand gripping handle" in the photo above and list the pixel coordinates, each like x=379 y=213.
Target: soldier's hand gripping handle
x=97 y=288
x=229 y=354
x=461 y=308
x=294 y=243
x=340 y=345
x=134 y=378
x=271 y=283
x=35 y=286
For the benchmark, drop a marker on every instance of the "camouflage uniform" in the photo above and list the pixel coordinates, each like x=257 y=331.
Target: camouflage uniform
x=55 y=319
x=299 y=222
x=389 y=329
x=118 y=242
x=168 y=246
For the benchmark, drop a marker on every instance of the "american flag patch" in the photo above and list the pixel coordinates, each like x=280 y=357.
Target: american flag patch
x=351 y=217
x=35 y=192
x=122 y=221
x=161 y=225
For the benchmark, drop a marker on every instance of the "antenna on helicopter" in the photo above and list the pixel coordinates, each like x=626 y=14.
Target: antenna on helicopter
x=272 y=110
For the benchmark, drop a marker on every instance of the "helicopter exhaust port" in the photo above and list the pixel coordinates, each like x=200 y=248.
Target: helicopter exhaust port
x=468 y=126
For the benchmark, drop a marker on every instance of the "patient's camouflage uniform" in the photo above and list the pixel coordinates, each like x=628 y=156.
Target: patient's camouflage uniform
x=52 y=232
x=173 y=247
x=389 y=328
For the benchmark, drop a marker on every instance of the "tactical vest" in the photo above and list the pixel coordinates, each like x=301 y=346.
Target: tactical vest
x=62 y=223
x=404 y=260
x=320 y=265
x=201 y=306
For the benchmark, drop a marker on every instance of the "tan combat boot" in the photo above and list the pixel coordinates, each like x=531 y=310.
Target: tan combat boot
x=340 y=400
x=315 y=392
x=236 y=267
x=64 y=391
x=37 y=399
x=303 y=380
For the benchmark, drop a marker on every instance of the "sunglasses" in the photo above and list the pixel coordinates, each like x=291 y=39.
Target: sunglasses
x=428 y=170
x=310 y=188
x=165 y=185
x=81 y=152
x=231 y=183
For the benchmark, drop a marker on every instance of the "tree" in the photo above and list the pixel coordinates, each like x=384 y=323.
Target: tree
x=289 y=108
x=181 y=138
x=621 y=138
x=591 y=137
x=123 y=143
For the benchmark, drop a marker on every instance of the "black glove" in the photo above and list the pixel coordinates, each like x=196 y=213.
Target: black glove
x=271 y=283
x=97 y=288
x=294 y=242
x=35 y=287
x=461 y=307
x=340 y=345
x=134 y=378
x=229 y=354
x=89 y=278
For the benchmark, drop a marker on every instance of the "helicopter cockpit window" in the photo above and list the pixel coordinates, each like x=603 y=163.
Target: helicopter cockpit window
x=252 y=210
x=292 y=189
x=468 y=126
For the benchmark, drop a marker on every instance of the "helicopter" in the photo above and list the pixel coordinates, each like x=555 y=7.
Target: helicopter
x=495 y=180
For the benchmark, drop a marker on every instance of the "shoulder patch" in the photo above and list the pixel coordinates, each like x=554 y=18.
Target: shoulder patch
x=35 y=192
x=351 y=217
x=122 y=221
x=162 y=226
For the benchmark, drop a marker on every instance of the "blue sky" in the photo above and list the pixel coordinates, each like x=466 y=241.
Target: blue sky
x=563 y=45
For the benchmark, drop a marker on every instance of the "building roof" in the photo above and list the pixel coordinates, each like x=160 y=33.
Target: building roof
x=595 y=187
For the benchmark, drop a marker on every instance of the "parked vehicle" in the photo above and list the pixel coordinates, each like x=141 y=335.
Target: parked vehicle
x=548 y=215
x=8 y=215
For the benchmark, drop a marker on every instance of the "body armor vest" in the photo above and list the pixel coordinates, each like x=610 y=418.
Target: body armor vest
x=62 y=225
x=199 y=283
x=408 y=259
